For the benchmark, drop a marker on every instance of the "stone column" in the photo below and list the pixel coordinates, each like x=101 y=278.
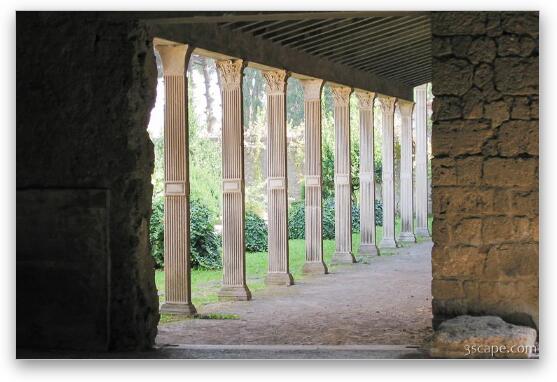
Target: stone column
x=368 y=245
x=312 y=170
x=421 y=161
x=387 y=118
x=177 y=287
x=234 y=257
x=343 y=202
x=406 y=199
x=277 y=185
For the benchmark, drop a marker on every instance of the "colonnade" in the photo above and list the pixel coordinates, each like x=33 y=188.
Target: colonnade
x=174 y=59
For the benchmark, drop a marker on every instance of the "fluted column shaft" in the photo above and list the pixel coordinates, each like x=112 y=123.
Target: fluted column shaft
x=312 y=171
x=368 y=245
x=176 y=181
x=343 y=181
x=234 y=265
x=277 y=184
x=421 y=161
x=406 y=194
x=387 y=117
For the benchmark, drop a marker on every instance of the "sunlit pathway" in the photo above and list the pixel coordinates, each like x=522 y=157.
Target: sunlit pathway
x=387 y=301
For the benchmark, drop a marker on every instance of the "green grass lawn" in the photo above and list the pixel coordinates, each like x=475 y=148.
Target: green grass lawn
x=206 y=283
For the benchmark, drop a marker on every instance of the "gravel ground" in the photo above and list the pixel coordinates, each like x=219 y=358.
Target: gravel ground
x=386 y=301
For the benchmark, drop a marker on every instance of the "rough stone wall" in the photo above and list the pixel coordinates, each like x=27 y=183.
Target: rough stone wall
x=485 y=166
x=85 y=88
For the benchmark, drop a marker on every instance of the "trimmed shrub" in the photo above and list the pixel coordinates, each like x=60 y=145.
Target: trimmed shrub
x=256 y=233
x=204 y=241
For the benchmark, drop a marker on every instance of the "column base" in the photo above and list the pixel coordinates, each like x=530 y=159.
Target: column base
x=388 y=244
x=185 y=309
x=317 y=267
x=368 y=250
x=343 y=258
x=234 y=293
x=422 y=232
x=407 y=237
x=279 y=278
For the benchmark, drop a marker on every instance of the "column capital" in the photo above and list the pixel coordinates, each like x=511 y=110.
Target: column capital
x=275 y=81
x=230 y=73
x=312 y=89
x=174 y=58
x=405 y=107
x=341 y=95
x=365 y=100
x=387 y=104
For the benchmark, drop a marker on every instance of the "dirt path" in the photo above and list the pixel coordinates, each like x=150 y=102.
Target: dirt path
x=387 y=301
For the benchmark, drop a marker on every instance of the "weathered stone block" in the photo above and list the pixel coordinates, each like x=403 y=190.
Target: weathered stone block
x=502 y=201
x=521 y=23
x=518 y=76
x=514 y=45
x=458 y=23
x=469 y=170
x=460 y=46
x=508 y=45
x=482 y=49
x=521 y=108
x=514 y=300
x=443 y=172
x=493 y=27
x=458 y=75
x=509 y=261
x=504 y=172
x=518 y=137
x=458 y=262
x=446 y=289
x=483 y=75
x=497 y=112
x=440 y=231
x=468 y=231
x=535 y=108
x=482 y=337
x=525 y=203
x=459 y=137
x=461 y=200
x=497 y=229
x=473 y=104
x=446 y=108
x=440 y=47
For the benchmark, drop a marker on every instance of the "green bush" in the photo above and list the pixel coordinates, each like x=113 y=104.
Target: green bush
x=256 y=233
x=378 y=212
x=356 y=215
x=204 y=241
x=329 y=218
x=156 y=232
x=296 y=220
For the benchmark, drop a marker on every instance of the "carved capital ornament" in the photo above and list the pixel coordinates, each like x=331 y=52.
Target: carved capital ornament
x=230 y=73
x=275 y=81
x=365 y=100
x=341 y=95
